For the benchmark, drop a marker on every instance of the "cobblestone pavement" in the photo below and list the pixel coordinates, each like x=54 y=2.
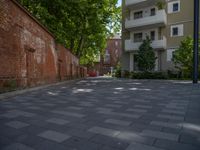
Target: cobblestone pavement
x=103 y=114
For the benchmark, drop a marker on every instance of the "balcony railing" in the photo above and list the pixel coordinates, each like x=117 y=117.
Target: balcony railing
x=156 y=44
x=160 y=19
x=133 y=2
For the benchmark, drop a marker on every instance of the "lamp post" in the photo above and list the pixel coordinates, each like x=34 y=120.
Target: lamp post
x=196 y=41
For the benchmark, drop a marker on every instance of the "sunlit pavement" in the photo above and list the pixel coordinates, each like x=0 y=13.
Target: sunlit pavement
x=104 y=114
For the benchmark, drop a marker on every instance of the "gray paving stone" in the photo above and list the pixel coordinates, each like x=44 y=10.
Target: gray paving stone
x=137 y=146
x=137 y=110
x=175 y=107
x=66 y=113
x=113 y=105
x=10 y=115
x=54 y=136
x=171 y=117
x=110 y=142
x=166 y=124
x=120 y=114
x=171 y=145
x=104 y=109
x=49 y=105
x=143 y=106
x=142 y=101
x=57 y=121
x=10 y=106
x=178 y=112
x=25 y=114
x=120 y=102
x=118 y=122
x=167 y=104
x=34 y=107
x=161 y=135
x=104 y=131
x=86 y=104
x=17 y=146
x=135 y=137
x=17 y=124
x=75 y=108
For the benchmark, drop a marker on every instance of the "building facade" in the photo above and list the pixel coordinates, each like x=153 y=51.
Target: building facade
x=107 y=62
x=166 y=22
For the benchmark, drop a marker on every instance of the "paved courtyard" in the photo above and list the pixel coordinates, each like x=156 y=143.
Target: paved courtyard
x=103 y=114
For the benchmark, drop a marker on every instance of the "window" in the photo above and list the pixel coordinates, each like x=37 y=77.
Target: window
x=116 y=43
x=177 y=30
x=135 y=63
x=138 y=37
x=152 y=34
x=174 y=6
x=138 y=15
x=170 y=54
x=153 y=12
x=107 y=57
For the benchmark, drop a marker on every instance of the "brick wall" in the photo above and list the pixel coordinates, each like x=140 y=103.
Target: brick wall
x=28 y=52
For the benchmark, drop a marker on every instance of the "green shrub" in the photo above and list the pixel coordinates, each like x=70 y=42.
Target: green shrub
x=11 y=84
x=126 y=74
x=148 y=75
x=174 y=74
x=117 y=73
x=8 y=85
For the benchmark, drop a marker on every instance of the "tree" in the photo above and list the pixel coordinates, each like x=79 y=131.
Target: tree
x=81 y=25
x=146 y=56
x=183 y=57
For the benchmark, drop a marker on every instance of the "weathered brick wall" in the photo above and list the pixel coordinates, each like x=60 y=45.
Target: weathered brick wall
x=68 y=63
x=28 y=52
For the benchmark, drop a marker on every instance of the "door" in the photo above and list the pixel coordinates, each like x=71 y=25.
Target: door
x=30 y=66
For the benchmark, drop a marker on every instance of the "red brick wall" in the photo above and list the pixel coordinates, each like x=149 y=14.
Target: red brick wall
x=28 y=51
x=68 y=63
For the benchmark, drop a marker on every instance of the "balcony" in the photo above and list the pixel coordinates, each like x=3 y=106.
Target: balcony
x=137 y=4
x=133 y=2
x=157 y=44
x=158 y=20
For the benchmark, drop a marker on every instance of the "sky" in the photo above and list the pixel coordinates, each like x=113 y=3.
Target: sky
x=119 y=2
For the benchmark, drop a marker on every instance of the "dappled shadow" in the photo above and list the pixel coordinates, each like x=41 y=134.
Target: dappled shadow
x=190 y=126
x=75 y=90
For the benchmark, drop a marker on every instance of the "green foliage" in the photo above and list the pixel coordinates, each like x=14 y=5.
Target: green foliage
x=173 y=74
x=160 y=4
x=146 y=56
x=8 y=85
x=117 y=71
x=11 y=84
x=126 y=74
x=183 y=57
x=81 y=25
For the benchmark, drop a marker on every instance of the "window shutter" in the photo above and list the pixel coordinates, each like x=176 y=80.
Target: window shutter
x=180 y=30
x=170 y=8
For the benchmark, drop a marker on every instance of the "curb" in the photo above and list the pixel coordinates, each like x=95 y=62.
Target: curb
x=19 y=92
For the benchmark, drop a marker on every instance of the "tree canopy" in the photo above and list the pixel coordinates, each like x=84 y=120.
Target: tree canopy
x=183 y=57
x=146 y=56
x=81 y=25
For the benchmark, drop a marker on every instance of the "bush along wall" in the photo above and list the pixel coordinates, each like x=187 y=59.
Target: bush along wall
x=142 y=75
x=148 y=75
